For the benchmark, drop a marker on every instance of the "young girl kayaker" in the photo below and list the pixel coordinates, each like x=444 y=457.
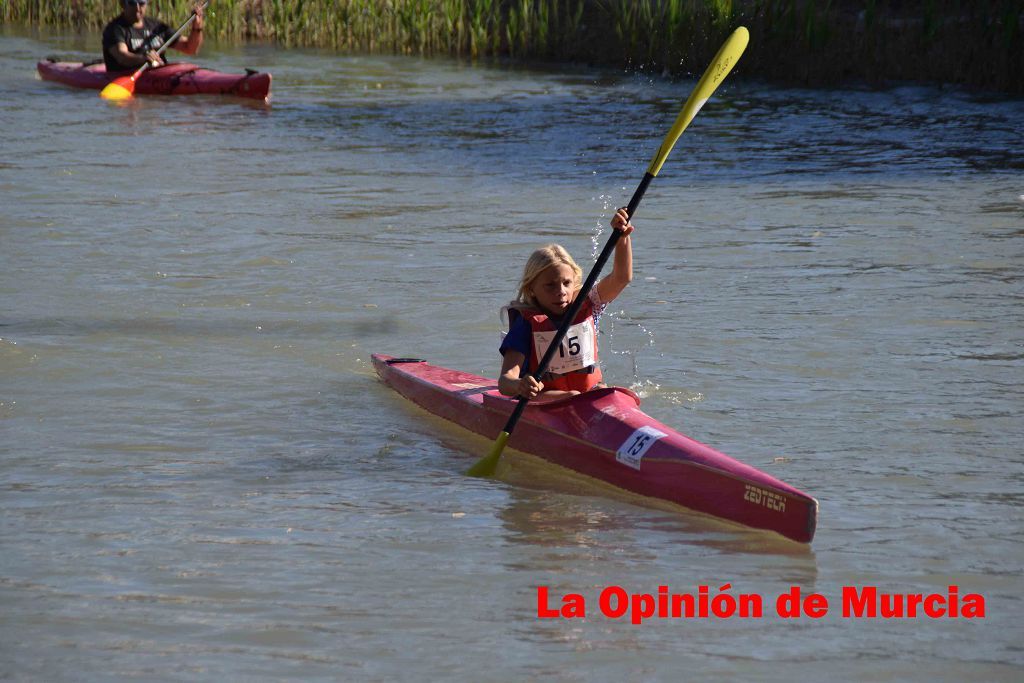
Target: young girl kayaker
x=551 y=281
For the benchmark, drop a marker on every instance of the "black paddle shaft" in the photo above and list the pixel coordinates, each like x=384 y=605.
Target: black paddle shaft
x=176 y=34
x=574 y=308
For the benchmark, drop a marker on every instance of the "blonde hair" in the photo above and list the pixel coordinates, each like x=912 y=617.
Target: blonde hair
x=541 y=260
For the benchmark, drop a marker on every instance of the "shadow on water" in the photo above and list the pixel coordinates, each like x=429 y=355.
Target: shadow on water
x=362 y=324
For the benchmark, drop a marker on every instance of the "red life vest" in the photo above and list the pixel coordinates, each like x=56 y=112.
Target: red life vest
x=574 y=367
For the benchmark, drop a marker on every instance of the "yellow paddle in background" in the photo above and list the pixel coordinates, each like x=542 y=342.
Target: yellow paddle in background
x=720 y=67
x=122 y=88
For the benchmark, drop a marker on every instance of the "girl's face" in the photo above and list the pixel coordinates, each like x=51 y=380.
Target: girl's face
x=554 y=288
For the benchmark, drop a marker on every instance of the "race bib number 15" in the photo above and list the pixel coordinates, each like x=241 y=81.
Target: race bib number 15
x=576 y=351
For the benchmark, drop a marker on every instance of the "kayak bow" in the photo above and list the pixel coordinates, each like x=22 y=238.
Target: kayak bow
x=604 y=434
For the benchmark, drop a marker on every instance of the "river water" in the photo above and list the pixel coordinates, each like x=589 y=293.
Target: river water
x=202 y=479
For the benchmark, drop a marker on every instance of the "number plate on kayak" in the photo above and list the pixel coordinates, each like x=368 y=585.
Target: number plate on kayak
x=632 y=450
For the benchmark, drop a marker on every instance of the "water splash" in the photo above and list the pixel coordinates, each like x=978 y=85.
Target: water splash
x=596 y=239
x=632 y=339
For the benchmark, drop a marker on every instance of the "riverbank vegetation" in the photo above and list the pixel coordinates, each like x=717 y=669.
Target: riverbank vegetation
x=814 y=42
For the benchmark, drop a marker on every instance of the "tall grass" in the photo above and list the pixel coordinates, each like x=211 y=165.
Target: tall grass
x=810 y=41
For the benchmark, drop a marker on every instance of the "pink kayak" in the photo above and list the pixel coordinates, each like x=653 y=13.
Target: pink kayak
x=173 y=79
x=604 y=434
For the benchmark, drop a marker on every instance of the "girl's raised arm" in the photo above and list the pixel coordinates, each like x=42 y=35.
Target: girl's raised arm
x=622 y=270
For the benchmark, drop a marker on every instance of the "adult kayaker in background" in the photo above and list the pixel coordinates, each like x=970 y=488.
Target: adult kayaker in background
x=551 y=281
x=132 y=39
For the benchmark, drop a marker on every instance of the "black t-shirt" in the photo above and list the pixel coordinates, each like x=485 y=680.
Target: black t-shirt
x=151 y=36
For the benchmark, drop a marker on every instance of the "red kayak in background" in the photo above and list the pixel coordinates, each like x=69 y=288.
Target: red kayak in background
x=604 y=434
x=172 y=79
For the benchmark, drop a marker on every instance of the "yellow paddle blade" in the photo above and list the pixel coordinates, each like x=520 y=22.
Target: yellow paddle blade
x=486 y=466
x=117 y=90
x=720 y=67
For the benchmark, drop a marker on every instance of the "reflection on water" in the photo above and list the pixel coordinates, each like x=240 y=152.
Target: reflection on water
x=565 y=513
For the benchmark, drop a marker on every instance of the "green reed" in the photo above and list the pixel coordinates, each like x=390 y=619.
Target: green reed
x=808 y=41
